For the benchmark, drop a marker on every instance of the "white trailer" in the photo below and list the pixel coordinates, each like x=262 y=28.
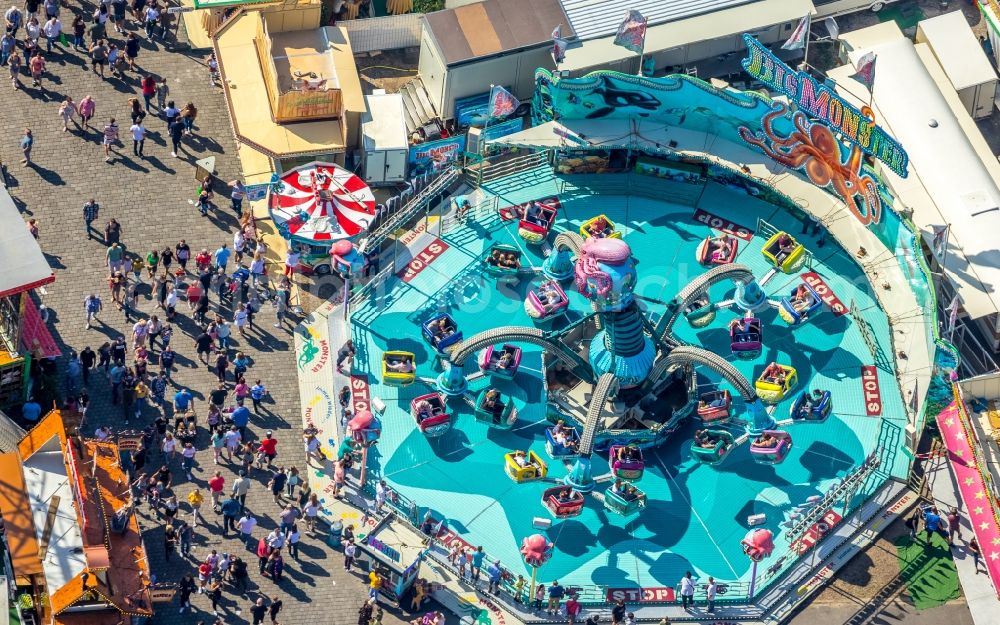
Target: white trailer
x=963 y=59
x=383 y=130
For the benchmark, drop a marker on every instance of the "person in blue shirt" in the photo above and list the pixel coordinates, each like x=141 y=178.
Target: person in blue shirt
x=494 y=573
x=222 y=256
x=477 y=563
x=31 y=410
x=241 y=418
x=183 y=401
x=933 y=524
x=556 y=593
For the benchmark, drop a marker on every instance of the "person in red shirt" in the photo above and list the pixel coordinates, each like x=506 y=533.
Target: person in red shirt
x=263 y=552
x=203 y=260
x=269 y=448
x=204 y=574
x=148 y=86
x=572 y=609
x=217 y=484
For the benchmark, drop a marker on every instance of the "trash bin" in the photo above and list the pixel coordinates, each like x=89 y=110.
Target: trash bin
x=336 y=529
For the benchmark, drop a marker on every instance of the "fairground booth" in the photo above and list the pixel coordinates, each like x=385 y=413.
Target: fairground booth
x=292 y=87
x=23 y=335
x=76 y=555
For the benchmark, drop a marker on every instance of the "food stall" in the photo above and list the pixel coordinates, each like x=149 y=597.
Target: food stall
x=23 y=333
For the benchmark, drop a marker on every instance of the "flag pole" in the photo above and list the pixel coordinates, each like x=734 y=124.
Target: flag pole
x=642 y=53
x=805 y=53
x=482 y=136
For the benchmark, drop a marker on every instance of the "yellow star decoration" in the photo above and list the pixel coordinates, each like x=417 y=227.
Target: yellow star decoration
x=984 y=526
x=994 y=556
x=959 y=452
x=980 y=495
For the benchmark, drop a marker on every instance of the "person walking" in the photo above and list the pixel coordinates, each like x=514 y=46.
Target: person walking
x=710 y=591
x=977 y=553
x=162 y=93
x=36 y=65
x=14 y=68
x=230 y=512
x=131 y=54
x=148 y=87
x=246 y=525
x=188 y=114
x=687 y=591
x=93 y=305
x=350 y=550
x=138 y=138
x=185 y=534
x=67 y=110
x=217 y=485
x=277 y=484
x=186 y=588
x=7 y=45
x=86 y=108
x=176 y=131
x=90 y=213
x=52 y=30
x=110 y=138
x=79 y=27
x=954 y=525
x=274 y=609
x=99 y=56
x=27 y=143
x=258 y=611
x=241 y=487
x=151 y=18
x=237 y=194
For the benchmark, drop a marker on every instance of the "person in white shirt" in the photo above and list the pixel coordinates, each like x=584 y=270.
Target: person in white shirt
x=687 y=591
x=138 y=138
x=152 y=17
x=710 y=594
x=233 y=440
x=52 y=30
x=291 y=261
x=247 y=525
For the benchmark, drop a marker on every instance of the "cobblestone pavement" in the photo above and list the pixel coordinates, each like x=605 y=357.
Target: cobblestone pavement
x=150 y=197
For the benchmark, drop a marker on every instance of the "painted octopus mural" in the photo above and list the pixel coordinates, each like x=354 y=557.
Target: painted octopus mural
x=812 y=148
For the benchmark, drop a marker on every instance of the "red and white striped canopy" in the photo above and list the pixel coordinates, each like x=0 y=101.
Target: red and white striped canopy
x=320 y=203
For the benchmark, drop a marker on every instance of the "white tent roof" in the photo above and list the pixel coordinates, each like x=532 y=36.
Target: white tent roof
x=954 y=177
x=46 y=482
x=23 y=264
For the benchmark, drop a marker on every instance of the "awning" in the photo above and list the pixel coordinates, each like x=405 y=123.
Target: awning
x=18 y=524
x=714 y=25
x=22 y=265
x=590 y=134
x=35 y=336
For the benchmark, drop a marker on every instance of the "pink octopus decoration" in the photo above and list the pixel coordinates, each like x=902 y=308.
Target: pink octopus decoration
x=536 y=550
x=594 y=252
x=337 y=252
x=758 y=544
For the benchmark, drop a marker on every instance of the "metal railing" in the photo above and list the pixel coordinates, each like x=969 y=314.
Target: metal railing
x=389 y=223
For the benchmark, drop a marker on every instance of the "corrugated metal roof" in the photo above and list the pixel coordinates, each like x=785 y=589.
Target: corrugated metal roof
x=600 y=18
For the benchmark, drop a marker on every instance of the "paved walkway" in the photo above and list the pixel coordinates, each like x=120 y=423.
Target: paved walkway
x=150 y=198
